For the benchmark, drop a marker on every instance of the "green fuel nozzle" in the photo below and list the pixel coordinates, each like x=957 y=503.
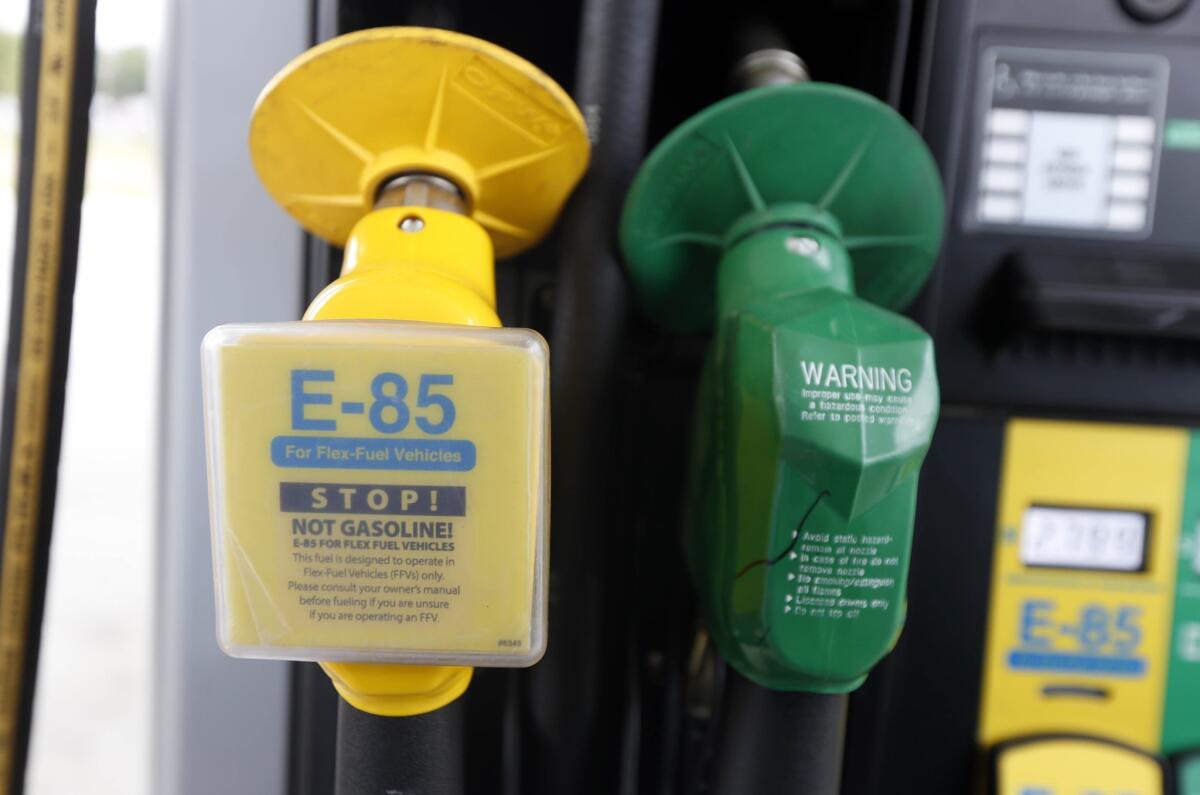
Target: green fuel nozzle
x=795 y=221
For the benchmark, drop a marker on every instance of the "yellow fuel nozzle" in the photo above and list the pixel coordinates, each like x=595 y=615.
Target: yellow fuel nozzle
x=380 y=491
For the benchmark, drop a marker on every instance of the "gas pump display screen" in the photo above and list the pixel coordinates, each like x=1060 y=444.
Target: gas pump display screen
x=1084 y=538
x=1069 y=140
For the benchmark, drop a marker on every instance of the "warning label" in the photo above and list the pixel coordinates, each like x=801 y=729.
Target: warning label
x=365 y=568
x=853 y=394
x=841 y=575
x=368 y=498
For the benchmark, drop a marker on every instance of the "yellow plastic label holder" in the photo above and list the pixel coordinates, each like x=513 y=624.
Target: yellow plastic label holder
x=379 y=492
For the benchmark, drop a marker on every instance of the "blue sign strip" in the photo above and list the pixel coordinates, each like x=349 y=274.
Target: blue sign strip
x=1076 y=663
x=341 y=452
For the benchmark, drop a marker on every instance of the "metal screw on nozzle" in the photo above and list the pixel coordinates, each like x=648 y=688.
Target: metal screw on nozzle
x=420 y=190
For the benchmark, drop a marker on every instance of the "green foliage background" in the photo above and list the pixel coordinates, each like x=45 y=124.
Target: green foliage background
x=10 y=62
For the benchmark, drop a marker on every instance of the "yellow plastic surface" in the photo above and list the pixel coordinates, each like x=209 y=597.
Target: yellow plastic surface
x=325 y=573
x=1076 y=766
x=442 y=274
x=349 y=114
x=1085 y=465
x=398 y=690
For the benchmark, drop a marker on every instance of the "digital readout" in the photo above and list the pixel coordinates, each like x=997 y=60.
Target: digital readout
x=1082 y=538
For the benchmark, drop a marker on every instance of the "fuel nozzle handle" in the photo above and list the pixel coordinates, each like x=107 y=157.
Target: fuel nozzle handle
x=794 y=221
x=819 y=407
x=425 y=154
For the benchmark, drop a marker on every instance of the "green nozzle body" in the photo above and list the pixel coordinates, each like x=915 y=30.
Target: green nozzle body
x=815 y=412
x=817 y=402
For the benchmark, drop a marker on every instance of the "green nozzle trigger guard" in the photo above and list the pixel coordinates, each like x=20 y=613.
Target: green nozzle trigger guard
x=795 y=221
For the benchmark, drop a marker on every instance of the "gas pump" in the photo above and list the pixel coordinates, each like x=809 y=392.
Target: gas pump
x=795 y=220
x=1053 y=596
x=1048 y=604
x=379 y=488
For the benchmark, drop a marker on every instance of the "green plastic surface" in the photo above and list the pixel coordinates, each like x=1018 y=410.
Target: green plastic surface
x=1188 y=778
x=1181 y=724
x=767 y=213
x=828 y=146
x=816 y=411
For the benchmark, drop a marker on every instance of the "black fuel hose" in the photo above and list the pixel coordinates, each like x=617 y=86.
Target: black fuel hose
x=777 y=742
x=417 y=755
x=571 y=710
x=903 y=23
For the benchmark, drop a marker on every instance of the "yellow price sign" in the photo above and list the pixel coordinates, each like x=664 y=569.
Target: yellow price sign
x=379 y=491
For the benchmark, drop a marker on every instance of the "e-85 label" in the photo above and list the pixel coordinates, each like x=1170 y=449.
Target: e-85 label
x=391 y=411
x=380 y=491
x=1098 y=639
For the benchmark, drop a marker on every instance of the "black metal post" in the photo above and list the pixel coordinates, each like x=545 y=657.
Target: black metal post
x=572 y=707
